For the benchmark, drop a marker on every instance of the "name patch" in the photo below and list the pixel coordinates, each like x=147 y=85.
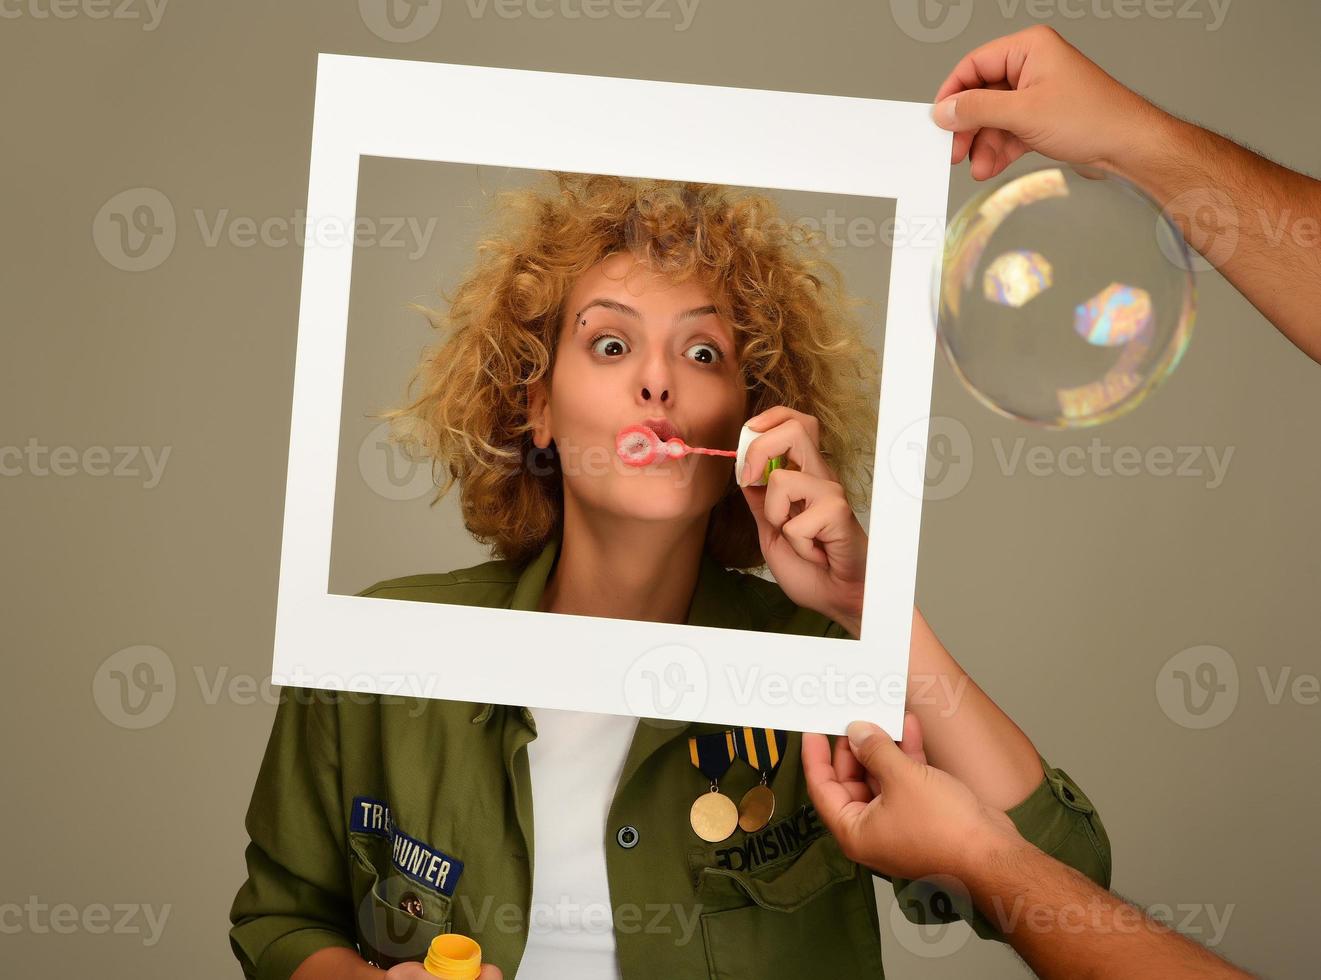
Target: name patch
x=411 y=857
x=788 y=836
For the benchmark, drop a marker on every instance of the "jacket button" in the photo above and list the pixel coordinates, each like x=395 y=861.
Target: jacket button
x=411 y=904
x=627 y=837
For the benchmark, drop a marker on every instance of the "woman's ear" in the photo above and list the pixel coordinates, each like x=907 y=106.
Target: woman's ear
x=538 y=410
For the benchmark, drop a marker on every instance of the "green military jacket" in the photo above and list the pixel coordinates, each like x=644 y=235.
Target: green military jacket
x=379 y=821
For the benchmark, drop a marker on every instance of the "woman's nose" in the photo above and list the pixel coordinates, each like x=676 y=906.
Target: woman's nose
x=655 y=386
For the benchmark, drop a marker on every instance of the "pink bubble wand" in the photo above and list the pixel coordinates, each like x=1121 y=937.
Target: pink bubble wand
x=638 y=445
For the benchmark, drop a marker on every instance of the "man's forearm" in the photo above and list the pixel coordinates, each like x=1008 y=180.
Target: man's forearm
x=1063 y=925
x=1259 y=223
x=964 y=732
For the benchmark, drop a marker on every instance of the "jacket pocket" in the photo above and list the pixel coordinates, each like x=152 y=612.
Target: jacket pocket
x=812 y=916
x=396 y=917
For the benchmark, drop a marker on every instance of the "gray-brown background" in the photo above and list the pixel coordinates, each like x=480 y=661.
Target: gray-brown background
x=1066 y=597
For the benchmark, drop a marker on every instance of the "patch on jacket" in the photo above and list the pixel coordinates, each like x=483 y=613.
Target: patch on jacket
x=787 y=836
x=415 y=859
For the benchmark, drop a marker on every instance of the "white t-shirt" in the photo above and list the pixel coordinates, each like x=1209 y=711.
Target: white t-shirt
x=575 y=763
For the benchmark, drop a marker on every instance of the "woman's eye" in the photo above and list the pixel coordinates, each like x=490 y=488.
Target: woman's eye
x=609 y=346
x=704 y=353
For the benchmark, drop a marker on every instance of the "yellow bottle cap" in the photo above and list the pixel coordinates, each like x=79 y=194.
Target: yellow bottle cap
x=454 y=957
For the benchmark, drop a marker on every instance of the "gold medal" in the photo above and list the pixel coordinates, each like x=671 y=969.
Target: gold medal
x=756 y=808
x=713 y=816
x=762 y=749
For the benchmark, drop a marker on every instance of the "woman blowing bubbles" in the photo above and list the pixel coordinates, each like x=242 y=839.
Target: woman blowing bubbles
x=602 y=304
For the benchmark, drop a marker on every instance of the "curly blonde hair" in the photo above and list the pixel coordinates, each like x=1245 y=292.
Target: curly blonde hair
x=798 y=343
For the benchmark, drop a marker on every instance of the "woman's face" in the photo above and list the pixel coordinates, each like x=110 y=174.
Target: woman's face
x=635 y=348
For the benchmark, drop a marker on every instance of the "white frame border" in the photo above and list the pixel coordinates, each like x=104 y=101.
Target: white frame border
x=526 y=119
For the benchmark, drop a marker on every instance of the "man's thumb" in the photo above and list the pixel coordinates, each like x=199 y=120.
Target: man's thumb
x=875 y=749
x=978 y=107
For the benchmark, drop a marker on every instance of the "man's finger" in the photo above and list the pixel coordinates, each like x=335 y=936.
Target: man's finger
x=830 y=796
x=983 y=108
x=1000 y=60
x=911 y=745
x=850 y=773
x=877 y=752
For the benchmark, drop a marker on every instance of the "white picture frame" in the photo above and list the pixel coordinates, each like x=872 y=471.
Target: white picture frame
x=527 y=119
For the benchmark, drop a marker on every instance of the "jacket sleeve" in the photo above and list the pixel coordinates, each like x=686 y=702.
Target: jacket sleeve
x=297 y=897
x=1058 y=818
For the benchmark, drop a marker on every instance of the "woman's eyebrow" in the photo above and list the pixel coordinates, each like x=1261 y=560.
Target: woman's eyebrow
x=627 y=310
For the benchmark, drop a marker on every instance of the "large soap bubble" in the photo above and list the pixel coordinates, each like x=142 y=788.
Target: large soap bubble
x=1065 y=298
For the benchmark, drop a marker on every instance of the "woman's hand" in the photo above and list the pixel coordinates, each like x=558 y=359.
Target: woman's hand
x=809 y=535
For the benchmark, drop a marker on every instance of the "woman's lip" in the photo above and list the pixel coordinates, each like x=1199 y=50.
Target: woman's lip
x=663 y=428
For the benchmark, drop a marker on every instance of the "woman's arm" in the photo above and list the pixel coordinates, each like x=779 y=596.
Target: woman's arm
x=964 y=732
x=336 y=963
